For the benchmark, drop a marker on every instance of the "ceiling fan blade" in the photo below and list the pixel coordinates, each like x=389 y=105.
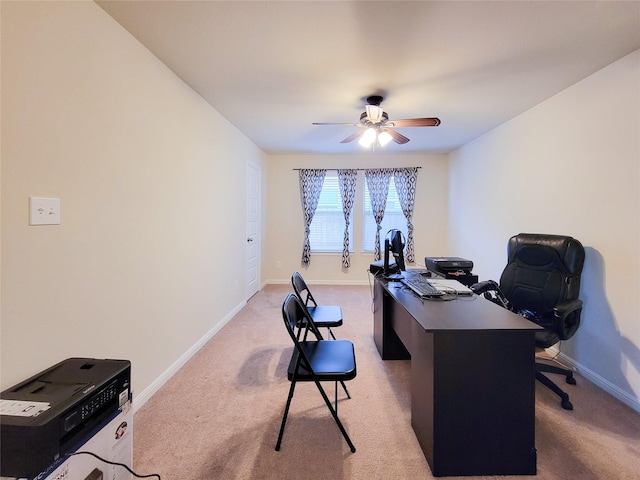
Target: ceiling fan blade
x=330 y=123
x=414 y=122
x=397 y=137
x=353 y=136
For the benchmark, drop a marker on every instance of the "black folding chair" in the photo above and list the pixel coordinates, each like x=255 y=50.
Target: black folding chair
x=315 y=360
x=324 y=316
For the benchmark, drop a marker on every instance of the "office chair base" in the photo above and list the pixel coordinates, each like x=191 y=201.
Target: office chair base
x=544 y=367
x=564 y=398
x=566 y=404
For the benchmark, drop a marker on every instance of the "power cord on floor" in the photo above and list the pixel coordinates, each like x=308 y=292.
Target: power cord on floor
x=114 y=463
x=371 y=289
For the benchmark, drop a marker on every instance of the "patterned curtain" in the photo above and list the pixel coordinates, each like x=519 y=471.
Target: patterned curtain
x=378 y=184
x=311 y=181
x=406 y=180
x=347 y=180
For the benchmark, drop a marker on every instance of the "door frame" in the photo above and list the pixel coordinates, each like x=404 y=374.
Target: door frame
x=253 y=232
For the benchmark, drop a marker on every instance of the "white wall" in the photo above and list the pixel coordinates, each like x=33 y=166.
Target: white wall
x=568 y=166
x=149 y=176
x=285 y=231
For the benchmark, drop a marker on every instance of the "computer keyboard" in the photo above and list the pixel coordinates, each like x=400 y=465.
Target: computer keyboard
x=421 y=287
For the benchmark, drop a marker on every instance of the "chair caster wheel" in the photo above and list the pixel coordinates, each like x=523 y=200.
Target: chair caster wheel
x=571 y=380
x=566 y=404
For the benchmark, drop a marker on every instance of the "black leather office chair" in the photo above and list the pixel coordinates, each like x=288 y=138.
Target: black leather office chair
x=315 y=360
x=324 y=316
x=542 y=282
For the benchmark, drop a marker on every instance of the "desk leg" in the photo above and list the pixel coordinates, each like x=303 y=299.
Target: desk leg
x=389 y=345
x=472 y=401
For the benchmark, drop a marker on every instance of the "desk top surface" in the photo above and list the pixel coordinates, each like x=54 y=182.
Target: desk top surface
x=464 y=313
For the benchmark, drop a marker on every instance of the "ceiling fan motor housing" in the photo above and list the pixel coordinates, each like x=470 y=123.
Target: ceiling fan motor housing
x=374 y=100
x=364 y=118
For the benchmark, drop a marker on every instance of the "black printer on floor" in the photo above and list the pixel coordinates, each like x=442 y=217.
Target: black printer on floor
x=45 y=416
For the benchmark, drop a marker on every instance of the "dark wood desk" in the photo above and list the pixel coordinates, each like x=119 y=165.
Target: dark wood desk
x=472 y=379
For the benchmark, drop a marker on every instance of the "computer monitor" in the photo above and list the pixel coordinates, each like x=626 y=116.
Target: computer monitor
x=394 y=243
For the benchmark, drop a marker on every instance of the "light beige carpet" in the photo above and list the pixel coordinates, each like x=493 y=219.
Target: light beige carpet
x=218 y=417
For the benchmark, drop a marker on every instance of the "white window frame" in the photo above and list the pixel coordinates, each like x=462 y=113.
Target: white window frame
x=393 y=218
x=327 y=227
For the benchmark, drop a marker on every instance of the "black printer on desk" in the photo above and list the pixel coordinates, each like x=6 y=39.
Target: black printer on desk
x=455 y=268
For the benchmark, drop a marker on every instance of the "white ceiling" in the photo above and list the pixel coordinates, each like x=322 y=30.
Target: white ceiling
x=272 y=68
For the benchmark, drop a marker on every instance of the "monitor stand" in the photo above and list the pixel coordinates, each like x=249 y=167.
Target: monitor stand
x=395 y=277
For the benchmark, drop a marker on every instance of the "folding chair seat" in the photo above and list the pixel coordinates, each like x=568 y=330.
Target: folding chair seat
x=315 y=361
x=324 y=316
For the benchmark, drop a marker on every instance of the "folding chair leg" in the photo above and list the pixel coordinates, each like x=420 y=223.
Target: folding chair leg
x=284 y=416
x=345 y=389
x=343 y=385
x=335 y=416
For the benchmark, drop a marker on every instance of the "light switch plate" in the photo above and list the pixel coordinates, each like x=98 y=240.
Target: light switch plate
x=44 y=211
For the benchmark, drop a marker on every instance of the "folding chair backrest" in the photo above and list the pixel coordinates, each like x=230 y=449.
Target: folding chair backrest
x=297 y=320
x=302 y=290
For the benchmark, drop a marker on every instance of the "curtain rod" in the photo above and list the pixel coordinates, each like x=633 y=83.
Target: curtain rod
x=377 y=168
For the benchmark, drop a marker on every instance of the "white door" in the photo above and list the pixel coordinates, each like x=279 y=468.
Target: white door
x=253 y=229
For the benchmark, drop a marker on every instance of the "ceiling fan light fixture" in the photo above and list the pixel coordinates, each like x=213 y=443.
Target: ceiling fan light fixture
x=384 y=138
x=368 y=137
x=377 y=130
x=374 y=113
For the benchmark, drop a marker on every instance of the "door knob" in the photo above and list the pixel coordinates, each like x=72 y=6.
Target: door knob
x=249 y=239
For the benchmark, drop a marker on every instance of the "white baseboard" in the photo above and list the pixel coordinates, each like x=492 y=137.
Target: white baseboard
x=596 y=379
x=148 y=392
x=316 y=282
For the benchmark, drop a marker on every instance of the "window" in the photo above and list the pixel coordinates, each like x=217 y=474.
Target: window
x=327 y=226
x=393 y=218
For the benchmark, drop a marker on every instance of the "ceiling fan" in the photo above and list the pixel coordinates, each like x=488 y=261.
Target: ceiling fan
x=376 y=128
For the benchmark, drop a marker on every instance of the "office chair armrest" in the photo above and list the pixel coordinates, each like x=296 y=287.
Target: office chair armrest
x=563 y=309
x=486 y=286
x=567 y=318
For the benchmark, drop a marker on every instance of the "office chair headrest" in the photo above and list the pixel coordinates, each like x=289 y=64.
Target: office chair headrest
x=565 y=254
x=538 y=255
